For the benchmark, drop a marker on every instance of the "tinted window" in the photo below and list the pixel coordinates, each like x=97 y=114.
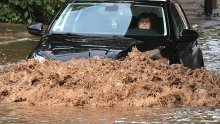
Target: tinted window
x=179 y=19
x=181 y=14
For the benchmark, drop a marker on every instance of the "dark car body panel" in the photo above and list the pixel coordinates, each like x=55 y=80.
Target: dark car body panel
x=65 y=47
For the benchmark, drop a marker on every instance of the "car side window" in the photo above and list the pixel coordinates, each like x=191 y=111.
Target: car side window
x=183 y=17
x=178 y=18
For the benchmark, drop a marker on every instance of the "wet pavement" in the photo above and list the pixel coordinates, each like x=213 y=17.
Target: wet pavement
x=195 y=14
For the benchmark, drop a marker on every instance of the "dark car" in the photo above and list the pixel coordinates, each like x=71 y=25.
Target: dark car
x=88 y=28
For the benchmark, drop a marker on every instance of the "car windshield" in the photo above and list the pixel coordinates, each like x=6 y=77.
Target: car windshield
x=117 y=19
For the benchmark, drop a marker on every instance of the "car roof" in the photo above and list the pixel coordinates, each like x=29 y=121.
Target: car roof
x=123 y=0
x=176 y=1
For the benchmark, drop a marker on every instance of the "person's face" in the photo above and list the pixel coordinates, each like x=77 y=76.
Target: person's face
x=144 y=23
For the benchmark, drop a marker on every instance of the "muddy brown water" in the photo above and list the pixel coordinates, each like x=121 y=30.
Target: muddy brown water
x=64 y=115
x=24 y=101
x=12 y=52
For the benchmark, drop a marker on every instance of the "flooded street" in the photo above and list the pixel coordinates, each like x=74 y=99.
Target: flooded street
x=15 y=51
x=31 y=113
x=210 y=44
x=62 y=115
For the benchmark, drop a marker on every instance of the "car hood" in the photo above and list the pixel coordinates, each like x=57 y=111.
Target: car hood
x=66 y=48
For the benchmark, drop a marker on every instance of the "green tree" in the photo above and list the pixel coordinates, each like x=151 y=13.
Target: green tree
x=28 y=11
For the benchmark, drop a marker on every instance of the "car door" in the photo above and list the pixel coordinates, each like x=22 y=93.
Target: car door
x=188 y=52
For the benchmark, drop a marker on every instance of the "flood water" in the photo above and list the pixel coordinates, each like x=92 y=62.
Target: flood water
x=20 y=113
x=15 y=51
x=210 y=44
x=45 y=114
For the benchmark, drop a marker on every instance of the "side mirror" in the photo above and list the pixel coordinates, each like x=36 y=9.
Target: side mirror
x=188 y=35
x=35 y=29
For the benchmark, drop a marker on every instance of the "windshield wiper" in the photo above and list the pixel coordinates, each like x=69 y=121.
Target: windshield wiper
x=67 y=34
x=127 y=39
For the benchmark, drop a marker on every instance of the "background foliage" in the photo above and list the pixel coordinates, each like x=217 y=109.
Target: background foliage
x=28 y=11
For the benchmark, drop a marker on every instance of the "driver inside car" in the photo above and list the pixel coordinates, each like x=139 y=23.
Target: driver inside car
x=145 y=21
